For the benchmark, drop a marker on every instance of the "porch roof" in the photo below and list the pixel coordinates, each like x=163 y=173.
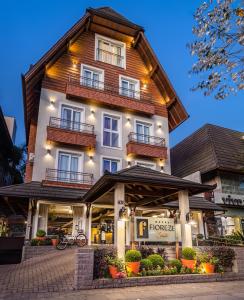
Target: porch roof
x=144 y=186
x=36 y=190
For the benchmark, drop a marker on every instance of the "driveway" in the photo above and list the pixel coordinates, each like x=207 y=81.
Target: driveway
x=47 y=273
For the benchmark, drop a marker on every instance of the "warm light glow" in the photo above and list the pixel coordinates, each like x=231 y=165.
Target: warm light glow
x=161 y=162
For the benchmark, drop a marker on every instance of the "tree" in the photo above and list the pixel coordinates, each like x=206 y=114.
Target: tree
x=219 y=32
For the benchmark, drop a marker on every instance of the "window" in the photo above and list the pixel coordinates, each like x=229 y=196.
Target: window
x=143 y=132
x=110 y=51
x=92 y=77
x=68 y=167
x=146 y=164
x=129 y=87
x=71 y=118
x=111 y=131
x=111 y=165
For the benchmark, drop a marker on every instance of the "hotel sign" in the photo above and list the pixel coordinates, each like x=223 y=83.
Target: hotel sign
x=154 y=229
x=232 y=201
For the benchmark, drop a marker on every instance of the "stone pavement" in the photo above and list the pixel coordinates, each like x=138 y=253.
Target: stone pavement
x=195 y=291
x=47 y=273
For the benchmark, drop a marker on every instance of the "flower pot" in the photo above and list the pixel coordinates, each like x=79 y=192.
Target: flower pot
x=190 y=264
x=113 y=271
x=40 y=238
x=208 y=268
x=133 y=267
x=54 y=242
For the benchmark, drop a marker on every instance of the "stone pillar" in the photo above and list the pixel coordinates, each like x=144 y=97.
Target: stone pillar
x=186 y=235
x=119 y=225
x=84 y=262
x=200 y=223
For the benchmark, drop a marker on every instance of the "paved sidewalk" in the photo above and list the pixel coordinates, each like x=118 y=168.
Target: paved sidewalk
x=195 y=291
x=47 y=273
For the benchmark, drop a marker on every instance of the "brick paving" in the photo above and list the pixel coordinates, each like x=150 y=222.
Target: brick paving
x=47 y=273
x=232 y=290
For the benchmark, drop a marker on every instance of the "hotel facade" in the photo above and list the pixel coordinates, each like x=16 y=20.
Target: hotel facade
x=98 y=112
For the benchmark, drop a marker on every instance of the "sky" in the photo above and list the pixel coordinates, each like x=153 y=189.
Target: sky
x=29 y=28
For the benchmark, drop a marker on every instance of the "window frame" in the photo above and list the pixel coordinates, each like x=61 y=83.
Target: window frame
x=66 y=151
x=112 y=158
x=111 y=41
x=119 y=118
x=130 y=80
x=92 y=69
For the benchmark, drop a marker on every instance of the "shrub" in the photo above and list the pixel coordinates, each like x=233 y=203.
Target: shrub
x=146 y=251
x=225 y=255
x=116 y=262
x=175 y=263
x=146 y=264
x=188 y=253
x=100 y=269
x=132 y=256
x=156 y=260
x=169 y=271
x=34 y=242
x=40 y=233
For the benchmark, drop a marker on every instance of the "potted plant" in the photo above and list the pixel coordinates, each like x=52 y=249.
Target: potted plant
x=54 y=240
x=133 y=258
x=40 y=234
x=188 y=258
x=208 y=262
x=115 y=266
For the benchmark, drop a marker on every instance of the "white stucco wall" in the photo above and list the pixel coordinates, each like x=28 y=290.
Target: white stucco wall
x=43 y=161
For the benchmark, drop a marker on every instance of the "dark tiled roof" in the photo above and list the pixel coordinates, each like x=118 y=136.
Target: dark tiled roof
x=210 y=147
x=142 y=175
x=35 y=189
x=109 y=13
x=197 y=203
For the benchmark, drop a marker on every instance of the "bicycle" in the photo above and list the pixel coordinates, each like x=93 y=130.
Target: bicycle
x=68 y=240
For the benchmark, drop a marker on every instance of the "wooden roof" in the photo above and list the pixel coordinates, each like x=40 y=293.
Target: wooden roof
x=108 y=22
x=209 y=148
x=145 y=186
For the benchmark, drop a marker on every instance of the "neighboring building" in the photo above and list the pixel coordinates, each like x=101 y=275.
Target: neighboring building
x=218 y=154
x=11 y=124
x=6 y=147
x=99 y=102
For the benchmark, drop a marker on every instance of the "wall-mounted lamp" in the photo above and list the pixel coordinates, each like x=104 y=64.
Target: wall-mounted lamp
x=162 y=168
x=144 y=85
x=159 y=126
x=129 y=163
x=91 y=157
x=48 y=151
x=189 y=219
x=92 y=111
x=123 y=215
x=128 y=119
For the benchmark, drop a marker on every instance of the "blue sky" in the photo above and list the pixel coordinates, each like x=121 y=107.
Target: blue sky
x=29 y=28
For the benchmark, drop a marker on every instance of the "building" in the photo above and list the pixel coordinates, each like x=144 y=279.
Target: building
x=216 y=155
x=98 y=111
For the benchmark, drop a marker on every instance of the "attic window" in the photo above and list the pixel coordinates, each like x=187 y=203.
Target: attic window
x=110 y=51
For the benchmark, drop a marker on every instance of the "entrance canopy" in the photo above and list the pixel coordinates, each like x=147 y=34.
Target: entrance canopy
x=144 y=187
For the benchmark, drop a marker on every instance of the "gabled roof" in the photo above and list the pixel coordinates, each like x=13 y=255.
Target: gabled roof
x=209 y=148
x=144 y=176
x=107 y=19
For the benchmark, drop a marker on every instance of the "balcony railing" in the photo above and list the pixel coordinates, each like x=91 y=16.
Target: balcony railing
x=71 y=125
x=146 y=139
x=69 y=176
x=141 y=96
x=110 y=57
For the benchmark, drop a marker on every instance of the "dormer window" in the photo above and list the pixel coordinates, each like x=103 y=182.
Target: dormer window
x=110 y=51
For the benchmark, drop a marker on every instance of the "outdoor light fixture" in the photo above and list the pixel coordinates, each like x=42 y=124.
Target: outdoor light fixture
x=123 y=216
x=51 y=104
x=91 y=157
x=129 y=164
x=189 y=219
x=159 y=126
x=128 y=119
x=162 y=168
x=92 y=111
x=48 y=151
x=145 y=85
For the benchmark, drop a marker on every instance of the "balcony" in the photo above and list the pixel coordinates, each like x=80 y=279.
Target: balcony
x=55 y=177
x=100 y=93
x=146 y=146
x=110 y=58
x=71 y=133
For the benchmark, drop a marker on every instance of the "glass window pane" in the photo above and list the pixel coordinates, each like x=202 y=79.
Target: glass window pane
x=66 y=116
x=106 y=165
x=114 y=166
x=106 y=138
x=107 y=122
x=76 y=120
x=115 y=139
x=114 y=124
